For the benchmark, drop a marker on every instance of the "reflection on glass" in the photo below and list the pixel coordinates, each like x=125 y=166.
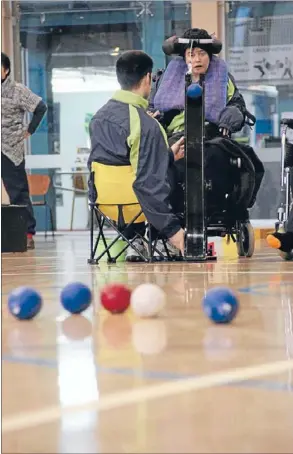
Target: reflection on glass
x=260 y=56
x=259 y=45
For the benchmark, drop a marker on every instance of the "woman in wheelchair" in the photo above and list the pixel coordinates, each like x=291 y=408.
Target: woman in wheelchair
x=225 y=114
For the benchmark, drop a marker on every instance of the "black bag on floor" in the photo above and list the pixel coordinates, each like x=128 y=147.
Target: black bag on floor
x=14 y=228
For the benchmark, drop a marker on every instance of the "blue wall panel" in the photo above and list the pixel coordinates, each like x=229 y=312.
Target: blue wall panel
x=38 y=84
x=61 y=19
x=154 y=34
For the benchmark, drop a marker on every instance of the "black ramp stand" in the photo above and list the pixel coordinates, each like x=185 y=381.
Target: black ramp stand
x=195 y=216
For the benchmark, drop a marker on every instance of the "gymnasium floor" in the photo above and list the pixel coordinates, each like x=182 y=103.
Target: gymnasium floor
x=177 y=384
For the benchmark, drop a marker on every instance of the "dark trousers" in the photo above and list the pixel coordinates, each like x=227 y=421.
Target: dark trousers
x=176 y=201
x=138 y=228
x=15 y=181
x=218 y=171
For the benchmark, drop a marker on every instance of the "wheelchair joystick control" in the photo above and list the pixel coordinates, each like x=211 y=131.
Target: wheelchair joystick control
x=236 y=162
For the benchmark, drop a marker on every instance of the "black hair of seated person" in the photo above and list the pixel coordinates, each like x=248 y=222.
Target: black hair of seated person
x=131 y=67
x=5 y=62
x=199 y=33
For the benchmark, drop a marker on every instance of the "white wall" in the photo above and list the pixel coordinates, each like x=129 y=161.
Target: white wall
x=73 y=109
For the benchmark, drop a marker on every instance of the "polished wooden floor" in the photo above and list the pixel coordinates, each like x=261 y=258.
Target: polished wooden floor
x=98 y=383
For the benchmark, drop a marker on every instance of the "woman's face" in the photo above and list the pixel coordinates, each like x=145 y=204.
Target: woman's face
x=199 y=60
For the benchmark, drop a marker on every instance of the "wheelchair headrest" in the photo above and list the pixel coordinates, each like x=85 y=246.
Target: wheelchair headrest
x=178 y=46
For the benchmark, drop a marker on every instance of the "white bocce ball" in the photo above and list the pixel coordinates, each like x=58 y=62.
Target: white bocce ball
x=147 y=300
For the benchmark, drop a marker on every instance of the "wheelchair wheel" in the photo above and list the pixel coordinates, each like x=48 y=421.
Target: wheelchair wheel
x=245 y=240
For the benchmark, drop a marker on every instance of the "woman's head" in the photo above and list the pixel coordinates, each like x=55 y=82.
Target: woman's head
x=5 y=66
x=199 y=55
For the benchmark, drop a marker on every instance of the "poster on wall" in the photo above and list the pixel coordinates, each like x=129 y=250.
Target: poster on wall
x=261 y=63
x=80 y=173
x=82 y=156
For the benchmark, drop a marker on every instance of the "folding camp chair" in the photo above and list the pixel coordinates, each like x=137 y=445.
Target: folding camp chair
x=117 y=203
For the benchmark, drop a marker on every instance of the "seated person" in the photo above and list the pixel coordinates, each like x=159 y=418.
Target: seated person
x=225 y=107
x=284 y=241
x=225 y=111
x=117 y=142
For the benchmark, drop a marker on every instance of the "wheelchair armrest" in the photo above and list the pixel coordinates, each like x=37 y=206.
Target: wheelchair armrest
x=289 y=155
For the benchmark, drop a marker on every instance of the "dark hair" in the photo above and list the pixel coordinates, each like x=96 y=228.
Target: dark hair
x=199 y=33
x=196 y=33
x=131 y=67
x=5 y=62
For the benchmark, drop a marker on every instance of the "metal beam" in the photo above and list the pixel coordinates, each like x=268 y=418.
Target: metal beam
x=6 y=25
x=16 y=40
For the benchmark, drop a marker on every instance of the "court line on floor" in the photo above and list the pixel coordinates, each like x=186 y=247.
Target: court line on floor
x=222 y=259
x=144 y=373
x=133 y=271
x=116 y=400
x=52 y=269
x=258 y=289
x=223 y=264
x=258 y=265
x=58 y=253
